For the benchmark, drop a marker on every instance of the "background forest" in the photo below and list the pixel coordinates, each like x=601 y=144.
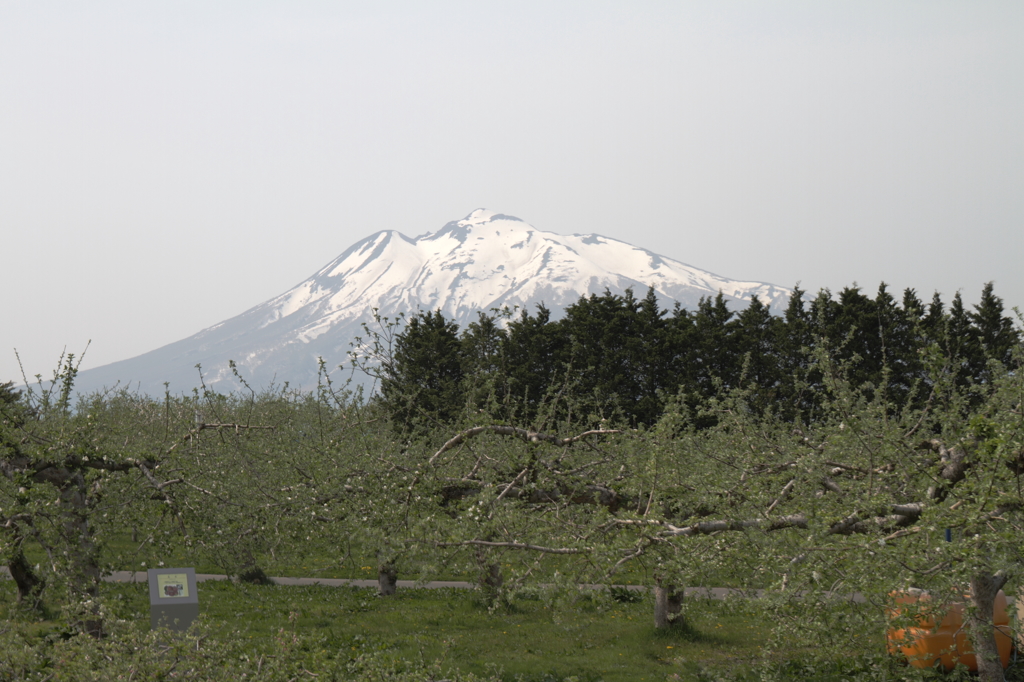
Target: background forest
x=815 y=456
x=622 y=358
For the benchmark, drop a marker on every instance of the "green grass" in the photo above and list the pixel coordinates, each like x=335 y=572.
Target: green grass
x=539 y=638
x=589 y=641
x=532 y=639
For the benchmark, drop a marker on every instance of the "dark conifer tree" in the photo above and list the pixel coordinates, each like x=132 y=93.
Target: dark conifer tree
x=756 y=336
x=900 y=371
x=853 y=329
x=483 y=367
x=912 y=305
x=994 y=331
x=912 y=352
x=425 y=386
x=533 y=352
x=794 y=340
x=856 y=328
x=796 y=332
x=652 y=355
x=960 y=344
x=934 y=320
x=606 y=353
x=932 y=342
x=681 y=353
x=715 y=359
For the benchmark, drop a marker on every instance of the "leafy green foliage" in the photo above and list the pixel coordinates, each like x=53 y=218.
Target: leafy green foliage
x=614 y=443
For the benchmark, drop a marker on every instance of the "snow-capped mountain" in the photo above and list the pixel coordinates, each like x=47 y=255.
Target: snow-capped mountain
x=486 y=260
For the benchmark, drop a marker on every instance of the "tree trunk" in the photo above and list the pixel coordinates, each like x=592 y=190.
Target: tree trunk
x=984 y=588
x=668 y=604
x=84 y=556
x=387 y=579
x=491 y=578
x=30 y=586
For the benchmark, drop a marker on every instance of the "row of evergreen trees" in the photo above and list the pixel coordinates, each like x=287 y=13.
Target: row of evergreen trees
x=620 y=357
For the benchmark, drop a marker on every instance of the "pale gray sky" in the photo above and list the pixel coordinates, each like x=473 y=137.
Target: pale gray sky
x=165 y=166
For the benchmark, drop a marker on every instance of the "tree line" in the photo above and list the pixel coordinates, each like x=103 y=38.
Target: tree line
x=623 y=358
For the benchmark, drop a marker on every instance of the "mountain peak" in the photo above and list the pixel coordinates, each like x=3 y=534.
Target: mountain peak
x=483 y=215
x=486 y=260
x=460 y=230
x=478 y=217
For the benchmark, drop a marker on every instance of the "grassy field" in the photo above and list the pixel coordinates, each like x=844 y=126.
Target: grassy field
x=539 y=637
x=534 y=639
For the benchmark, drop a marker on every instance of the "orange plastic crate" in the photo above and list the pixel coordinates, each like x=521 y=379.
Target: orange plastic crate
x=949 y=642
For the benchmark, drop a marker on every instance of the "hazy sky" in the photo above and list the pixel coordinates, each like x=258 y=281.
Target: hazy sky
x=165 y=166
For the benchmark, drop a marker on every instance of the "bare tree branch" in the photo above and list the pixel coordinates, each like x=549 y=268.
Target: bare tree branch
x=507 y=488
x=516 y=545
x=527 y=435
x=786 y=489
x=903 y=514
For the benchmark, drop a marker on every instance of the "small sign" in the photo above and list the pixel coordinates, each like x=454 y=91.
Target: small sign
x=173 y=598
x=172 y=585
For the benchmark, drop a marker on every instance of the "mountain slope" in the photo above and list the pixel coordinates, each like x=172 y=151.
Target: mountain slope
x=486 y=260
